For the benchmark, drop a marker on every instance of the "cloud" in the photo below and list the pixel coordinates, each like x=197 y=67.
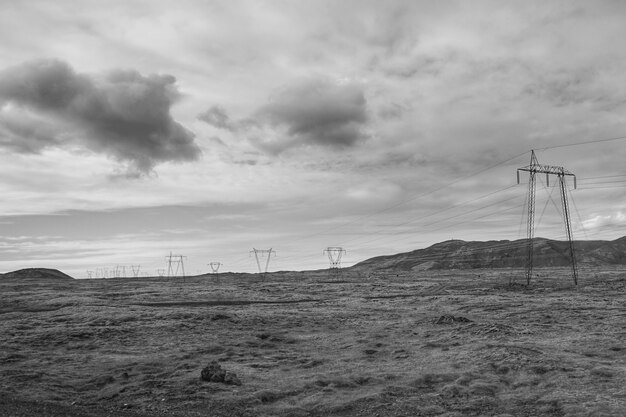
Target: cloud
x=307 y=112
x=617 y=219
x=317 y=111
x=122 y=114
x=216 y=116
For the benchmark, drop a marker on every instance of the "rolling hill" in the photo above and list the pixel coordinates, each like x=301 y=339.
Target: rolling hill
x=36 y=274
x=459 y=254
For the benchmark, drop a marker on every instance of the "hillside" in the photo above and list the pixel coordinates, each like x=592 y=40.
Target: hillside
x=459 y=254
x=35 y=274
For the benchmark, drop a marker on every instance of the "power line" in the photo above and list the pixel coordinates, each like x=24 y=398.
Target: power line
x=419 y=218
x=415 y=197
x=583 y=143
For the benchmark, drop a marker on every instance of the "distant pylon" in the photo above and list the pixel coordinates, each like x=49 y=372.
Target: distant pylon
x=89 y=274
x=334 y=258
x=175 y=264
x=120 y=271
x=534 y=168
x=215 y=266
x=135 y=269
x=261 y=253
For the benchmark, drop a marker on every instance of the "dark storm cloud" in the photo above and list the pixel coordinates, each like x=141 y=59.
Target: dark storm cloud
x=318 y=112
x=123 y=114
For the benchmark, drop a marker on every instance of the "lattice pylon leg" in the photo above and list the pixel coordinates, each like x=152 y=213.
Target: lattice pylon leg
x=530 y=226
x=568 y=227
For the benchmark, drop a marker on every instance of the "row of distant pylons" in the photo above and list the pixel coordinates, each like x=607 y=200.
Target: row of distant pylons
x=334 y=253
x=119 y=271
x=176 y=265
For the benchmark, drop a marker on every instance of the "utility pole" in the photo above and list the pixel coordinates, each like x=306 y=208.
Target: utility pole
x=261 y=253
x=175 y=260
x=334 y=257
x=536 y=168
x=215 y=266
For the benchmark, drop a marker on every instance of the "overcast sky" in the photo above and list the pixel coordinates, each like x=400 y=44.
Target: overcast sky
x=129 y=129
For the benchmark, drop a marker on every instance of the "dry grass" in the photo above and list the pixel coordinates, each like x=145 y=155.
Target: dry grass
x=306 y=346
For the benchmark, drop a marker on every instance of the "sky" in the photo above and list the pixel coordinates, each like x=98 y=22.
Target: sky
x=131 y=130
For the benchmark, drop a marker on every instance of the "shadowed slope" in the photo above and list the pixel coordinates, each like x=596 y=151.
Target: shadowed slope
x=35 y=274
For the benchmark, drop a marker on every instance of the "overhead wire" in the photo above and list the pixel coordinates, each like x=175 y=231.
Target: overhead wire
x=418 y=196
x=582 y=143
x=415 y=197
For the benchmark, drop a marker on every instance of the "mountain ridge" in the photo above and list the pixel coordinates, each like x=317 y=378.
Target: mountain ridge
x=460 y=254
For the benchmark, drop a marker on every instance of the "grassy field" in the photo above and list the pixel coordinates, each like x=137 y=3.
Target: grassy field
x=449 y=343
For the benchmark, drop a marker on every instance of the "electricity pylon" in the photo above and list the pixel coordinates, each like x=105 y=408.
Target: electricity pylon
x=334 y=257
x=120 y=271
x=135 y=269
x=215 y=266
x=261 y=253
x=175 y=260
x=536 y=168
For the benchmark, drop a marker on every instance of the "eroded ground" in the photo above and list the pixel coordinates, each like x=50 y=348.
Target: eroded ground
x=455 y=343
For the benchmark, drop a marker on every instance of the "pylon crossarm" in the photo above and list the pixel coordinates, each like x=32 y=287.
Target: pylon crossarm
x=546 y=169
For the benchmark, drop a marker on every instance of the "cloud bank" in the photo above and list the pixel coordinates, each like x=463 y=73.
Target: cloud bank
x=122 y=114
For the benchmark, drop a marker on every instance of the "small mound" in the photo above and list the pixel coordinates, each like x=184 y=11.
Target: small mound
x=36 y=273
x=448 y=319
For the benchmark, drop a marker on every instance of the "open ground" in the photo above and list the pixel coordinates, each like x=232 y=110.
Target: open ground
x=436 y=343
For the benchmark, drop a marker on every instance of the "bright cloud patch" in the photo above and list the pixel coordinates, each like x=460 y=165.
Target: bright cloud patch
x=610 y=220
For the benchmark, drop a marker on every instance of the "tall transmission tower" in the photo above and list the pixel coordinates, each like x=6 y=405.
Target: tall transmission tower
x=536 y=168
x=175 y=264
x=334 y=258
x=135 y=269
x=260 y=253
